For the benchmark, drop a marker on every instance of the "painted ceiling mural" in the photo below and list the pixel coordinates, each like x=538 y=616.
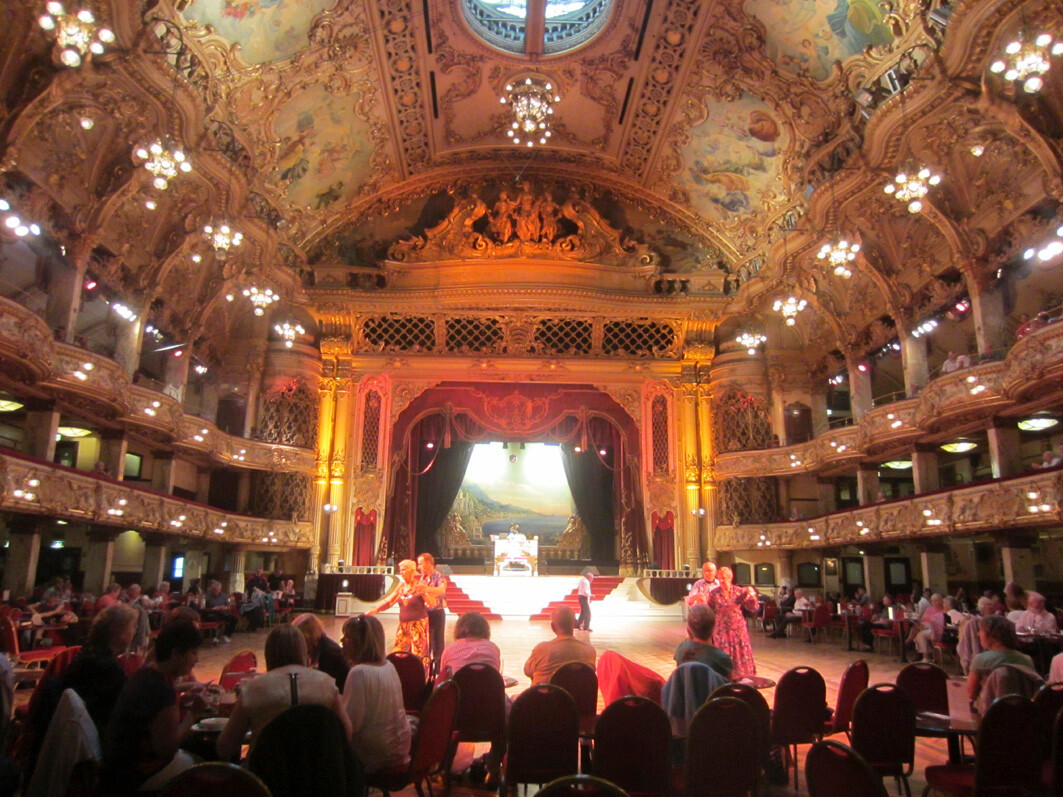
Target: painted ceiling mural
x=264 y=30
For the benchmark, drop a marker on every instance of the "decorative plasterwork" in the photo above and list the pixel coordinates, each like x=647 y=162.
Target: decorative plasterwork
x=1023 y=502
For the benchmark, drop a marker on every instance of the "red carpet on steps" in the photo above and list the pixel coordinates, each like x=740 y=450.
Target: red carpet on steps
x=460 y=603
x=600 y=587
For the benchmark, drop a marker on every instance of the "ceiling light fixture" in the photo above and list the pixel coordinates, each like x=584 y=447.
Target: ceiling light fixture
x=960 y=447
x=10 y=405
x=750 y=341
x=15 y=224
x=77 y=35
x=532 y=102
x=73 y=431
x=1027 y=59
x=790 y=307
x=287 y=332
x=164 y=160
x=1037 y=423
x=259 y=298
x=898 y=464
x=911 y=185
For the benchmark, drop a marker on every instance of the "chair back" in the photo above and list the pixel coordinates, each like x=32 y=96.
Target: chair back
x=581 y=786
x=722 y=750
x=9 y=636
x=581 y=682
x=1057 y=755
x=688 y=687
x=771 y=611
x=836 y=770
x=800 y=706
x=631 y=741
x=412 y=676
x=883 y=729
x=755 y=700
x=1009 y=753
x=244 y=661
x=304 y=750
x=1049 y=701
x=927 y=686
x=820 y=616
x=215 y=777
x=543 y=741
x=854 y=681
x=131 y=662
x=482 y=709
x=435 y=730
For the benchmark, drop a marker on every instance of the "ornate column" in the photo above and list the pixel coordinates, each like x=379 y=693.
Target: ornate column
x=129 y=339
x=867 y=483
x=236 y=573
x=42 y=425
x=913 y=360
x=874 y=575
x=162 y=473
x=1004 y=453
x=203 y=485
x=113 y=447
x=925 y=469
x=860 y=396
x=818 y=396
x=176 y=375
x=932 y=565
x=1016 y=555
x=786 y=568
x=64 y=289
x=154 y=569
x=777 y=401
x=988 y=310
x=23 y=554
x=825 y=491
x=98 y=559
x=256 y=364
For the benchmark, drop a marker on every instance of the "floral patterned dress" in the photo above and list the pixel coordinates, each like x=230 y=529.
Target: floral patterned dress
x=731 y=634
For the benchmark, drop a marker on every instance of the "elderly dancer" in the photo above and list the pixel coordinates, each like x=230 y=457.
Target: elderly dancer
x=436 y=586
x=731 y=634
x=414 y=602
x=704 y=585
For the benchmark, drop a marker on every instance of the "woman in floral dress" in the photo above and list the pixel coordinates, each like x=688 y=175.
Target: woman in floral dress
x=414 y=602
x=731 y=634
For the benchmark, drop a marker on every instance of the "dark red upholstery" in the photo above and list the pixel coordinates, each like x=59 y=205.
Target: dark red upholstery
x=1049 y=701
x=581 y=682
x=215 y=777
x=722 y=750
x=800 y=706
x=883 y=731
x=631 y=741
x=581 y=786
x=413 y=678
x=927 y=686
x=854 y=681
x=755 y=700
x=833 y=769
x=543 y=740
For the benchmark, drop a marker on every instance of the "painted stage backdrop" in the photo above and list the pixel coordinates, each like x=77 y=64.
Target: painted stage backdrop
x=510 y=486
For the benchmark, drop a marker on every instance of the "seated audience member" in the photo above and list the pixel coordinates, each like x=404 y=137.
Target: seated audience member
x=879 y=619
x=923 y=603
x=1027 y=325
x=141 y=747
x=1036 y=617
x=1049 y=459
x=962 y=601
x=256 y=580
x=1014 y=601
x=701 y=621
x=997 y=636
x=955 y=362
x=801 y=604
x=287 y=594
x=380 y=730
x=472 y=645
x=109 y=598
x=548 y=657
x=287 y=682
x=861 y=598
x=953 y=614
x=1055 y=669
x=162 y=596
x=929 y=629
x=216 y=609
x=324 y=654
x=254 y=608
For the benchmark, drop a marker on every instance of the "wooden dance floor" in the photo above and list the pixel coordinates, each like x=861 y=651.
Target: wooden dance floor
x=650 y=642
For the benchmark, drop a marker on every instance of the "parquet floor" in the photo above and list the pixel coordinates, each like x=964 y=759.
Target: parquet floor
x=651 y=643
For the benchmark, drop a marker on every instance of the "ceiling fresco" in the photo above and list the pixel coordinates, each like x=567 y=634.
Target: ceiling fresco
x=264 y=30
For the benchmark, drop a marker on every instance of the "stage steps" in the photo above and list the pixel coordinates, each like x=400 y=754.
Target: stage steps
x=460 y=603
x=513 y=597
x=601 y=588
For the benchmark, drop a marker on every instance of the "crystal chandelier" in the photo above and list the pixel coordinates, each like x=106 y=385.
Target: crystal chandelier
x=77 y=35
x=750 y=341
x=14 y=224
x=532 y=102
x=912 y=185
x=164 y=161
x=223 y=238
x=790 y=307
x=288 y=332
x=839 y=254
x=259 y=298
x=1026 y=62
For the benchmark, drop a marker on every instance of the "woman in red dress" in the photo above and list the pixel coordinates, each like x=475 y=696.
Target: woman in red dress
x=731 y=634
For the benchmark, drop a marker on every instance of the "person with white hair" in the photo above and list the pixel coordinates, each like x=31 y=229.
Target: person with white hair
x=1036 y=617
x=932 y=627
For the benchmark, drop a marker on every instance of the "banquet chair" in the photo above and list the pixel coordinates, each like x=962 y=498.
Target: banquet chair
x=833 y=769
x=215 y=777
x=1049 y=701
x=543 y=740
x=927 y=686
x=304 y=750
x=854 y=681
x=755 y=700
x=31 y=716
x=1008 y=758
x=883 y=731
x=1053 y=768
x=131 y=662
x=481 y=713
x=800 y=706
x=431 y=746
x=237 y=667
x=581 y=682
x=816 y=626
x=24 y=658
x=722 y=750
x=888 y=634
x=581 y=786
x=631 y=742
x=412 y=676
x=767 y=620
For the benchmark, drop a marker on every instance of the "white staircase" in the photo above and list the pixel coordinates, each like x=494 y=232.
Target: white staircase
x=518 y=597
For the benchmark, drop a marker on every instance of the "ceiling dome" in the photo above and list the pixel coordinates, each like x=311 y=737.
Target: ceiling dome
x=516 y=26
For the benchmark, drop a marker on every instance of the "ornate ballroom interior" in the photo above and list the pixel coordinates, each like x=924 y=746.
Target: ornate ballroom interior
x=266 y=266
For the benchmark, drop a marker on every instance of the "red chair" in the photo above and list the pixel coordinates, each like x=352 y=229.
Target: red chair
x=1053 y=770
x=631 y=741
x=883 y=731
x=131 y=662
x=722 y=750
x=543 y=741
x=215 y=777
x=889 y=635
x=1049 y=702
x=24 y=658
x=927 y=686
x=771 y=611
x=237 y=669
x=835 y=770
x=816 y=626
x=854 y=681
x=755 y=700
x=29 y=715
x=1008 y=758
x=581 y=786
x=482 y=709
x=412 y=676
x=431 y=746
x=800 y=706
x=581 y=682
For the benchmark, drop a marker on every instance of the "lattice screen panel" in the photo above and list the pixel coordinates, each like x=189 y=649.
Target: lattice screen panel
x=636 y=337
x=481 y=335
x=749 y=501
x=371 y=430
x=400 y=333
x=282 y=496
x=740 y=422
x=289 y=415
x=659 y=433
x=563 y=336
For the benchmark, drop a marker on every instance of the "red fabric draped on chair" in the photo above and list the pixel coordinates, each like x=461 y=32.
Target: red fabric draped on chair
x=618 y=676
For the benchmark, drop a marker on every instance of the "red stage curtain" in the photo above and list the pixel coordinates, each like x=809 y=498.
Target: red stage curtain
x=664 y=540
x=364 y=534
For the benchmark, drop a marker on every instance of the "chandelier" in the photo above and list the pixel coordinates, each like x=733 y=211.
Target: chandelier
x=288 y=332
x=223 y=238
x=164 y=161
x=532 y=102
x=790 y=307
x=260 y=299
x=912 y=185
x=838 y=255
x=750 y=341
x=77 y=36
x=1026 y=62
x=14 y=224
